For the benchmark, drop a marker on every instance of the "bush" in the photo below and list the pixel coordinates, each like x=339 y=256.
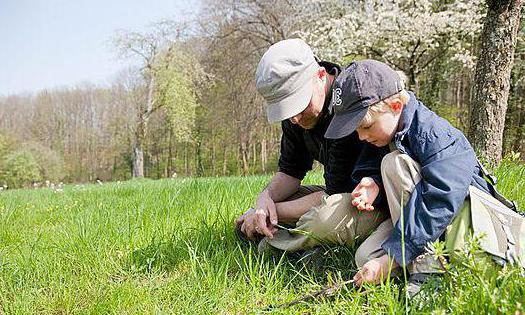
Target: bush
x=20 y=168
x=5 y=145
x=51 y=165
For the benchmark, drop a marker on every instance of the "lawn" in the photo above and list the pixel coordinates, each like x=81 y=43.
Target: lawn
x=168 y=246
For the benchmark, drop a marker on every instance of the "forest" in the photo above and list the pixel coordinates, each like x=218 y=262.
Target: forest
x=187 y=104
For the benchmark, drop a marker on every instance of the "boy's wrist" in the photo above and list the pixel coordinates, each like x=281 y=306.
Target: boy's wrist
x=390 y=261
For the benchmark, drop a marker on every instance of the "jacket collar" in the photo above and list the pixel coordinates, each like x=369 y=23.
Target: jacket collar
x=407 y=115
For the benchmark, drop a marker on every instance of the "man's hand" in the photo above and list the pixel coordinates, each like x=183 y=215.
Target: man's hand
x=261 y=220
x=364 y=194
x=375 y=270
x=245 y=220
x=247 y=223
x=266 y=214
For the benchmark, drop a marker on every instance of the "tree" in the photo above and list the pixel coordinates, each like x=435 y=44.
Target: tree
x=514 y=133
x=168 y=83
x=240 y=32
x=492 y=80
x=409 y=35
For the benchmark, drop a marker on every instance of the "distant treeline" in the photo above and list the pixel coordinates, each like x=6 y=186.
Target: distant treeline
x=191 y=109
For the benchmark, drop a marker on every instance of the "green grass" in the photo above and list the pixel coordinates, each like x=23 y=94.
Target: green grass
x=168 y=246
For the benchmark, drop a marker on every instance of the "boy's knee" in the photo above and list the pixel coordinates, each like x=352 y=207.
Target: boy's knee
x=397 y=165
x=389 y=164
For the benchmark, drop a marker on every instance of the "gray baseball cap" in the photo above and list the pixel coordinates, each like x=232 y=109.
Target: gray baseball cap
x=284 y=78
x=362 y=84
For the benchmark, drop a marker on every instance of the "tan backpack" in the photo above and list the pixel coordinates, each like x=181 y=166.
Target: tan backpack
x=495 y=221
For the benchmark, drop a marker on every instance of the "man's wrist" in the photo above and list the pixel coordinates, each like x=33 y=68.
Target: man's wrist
x=265 y=194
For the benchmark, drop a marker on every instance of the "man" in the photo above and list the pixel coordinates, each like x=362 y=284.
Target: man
x=298 y=90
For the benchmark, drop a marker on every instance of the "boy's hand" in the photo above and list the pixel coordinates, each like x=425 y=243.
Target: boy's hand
x=375 y=270
x=364 y=194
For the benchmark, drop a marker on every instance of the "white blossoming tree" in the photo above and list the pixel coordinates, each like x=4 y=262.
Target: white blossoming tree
x=408 y=35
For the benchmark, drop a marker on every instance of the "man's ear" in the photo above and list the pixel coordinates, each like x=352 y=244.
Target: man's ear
x=321 y=73
x=396 y=105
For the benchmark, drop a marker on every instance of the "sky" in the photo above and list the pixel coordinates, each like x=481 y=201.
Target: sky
x=47 y=44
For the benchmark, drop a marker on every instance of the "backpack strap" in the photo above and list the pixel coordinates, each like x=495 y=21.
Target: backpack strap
x=492 y=180
x=510 y=254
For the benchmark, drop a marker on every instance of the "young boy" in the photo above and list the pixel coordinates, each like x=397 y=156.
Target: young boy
x=426 y=175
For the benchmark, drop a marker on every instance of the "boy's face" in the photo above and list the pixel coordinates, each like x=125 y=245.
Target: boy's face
x=381 y=129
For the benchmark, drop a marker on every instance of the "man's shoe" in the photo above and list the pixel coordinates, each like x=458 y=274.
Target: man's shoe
x=264 y=248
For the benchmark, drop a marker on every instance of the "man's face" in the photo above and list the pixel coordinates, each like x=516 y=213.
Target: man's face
x=380 y=130
x=309 y=117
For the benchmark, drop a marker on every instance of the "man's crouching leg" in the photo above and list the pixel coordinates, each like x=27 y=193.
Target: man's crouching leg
x=334 y=221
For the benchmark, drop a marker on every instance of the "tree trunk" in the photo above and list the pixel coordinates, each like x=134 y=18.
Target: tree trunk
x=263 y=155
x=213 y=155
x=414 y=81
x=492 y=79
x=244 y=157
x=186 y=164
x=198 y=153
x=520 y=125
x=254 y=154
x=140 y=133
x=224 y=161
x=169 y=164
x=245 y=150
x=138 y=160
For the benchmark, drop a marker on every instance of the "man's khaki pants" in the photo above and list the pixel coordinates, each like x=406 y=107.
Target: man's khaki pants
x=400 y=174
x=334 y=221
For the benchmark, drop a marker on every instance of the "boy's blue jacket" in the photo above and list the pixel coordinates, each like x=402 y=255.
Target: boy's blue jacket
x=448 y=167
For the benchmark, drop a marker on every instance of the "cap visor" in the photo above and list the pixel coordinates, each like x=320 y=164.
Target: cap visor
x=344 y=124
x=291 y=105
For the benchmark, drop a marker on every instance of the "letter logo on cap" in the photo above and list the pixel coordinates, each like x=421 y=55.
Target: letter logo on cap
x=336 y=100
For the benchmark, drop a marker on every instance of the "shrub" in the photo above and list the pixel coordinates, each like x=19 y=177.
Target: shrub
x=51 y=165
x=20 y=168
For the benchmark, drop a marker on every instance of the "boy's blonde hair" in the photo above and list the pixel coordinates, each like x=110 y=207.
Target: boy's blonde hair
x=383 y=106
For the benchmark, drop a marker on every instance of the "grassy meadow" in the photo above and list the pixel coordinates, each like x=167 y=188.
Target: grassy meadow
x=168 y=246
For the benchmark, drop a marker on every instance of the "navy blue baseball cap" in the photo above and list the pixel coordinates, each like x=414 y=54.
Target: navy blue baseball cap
x=361 y=84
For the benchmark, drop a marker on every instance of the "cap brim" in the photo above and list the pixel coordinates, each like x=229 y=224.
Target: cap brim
x=291 y=105
x=344 y=124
